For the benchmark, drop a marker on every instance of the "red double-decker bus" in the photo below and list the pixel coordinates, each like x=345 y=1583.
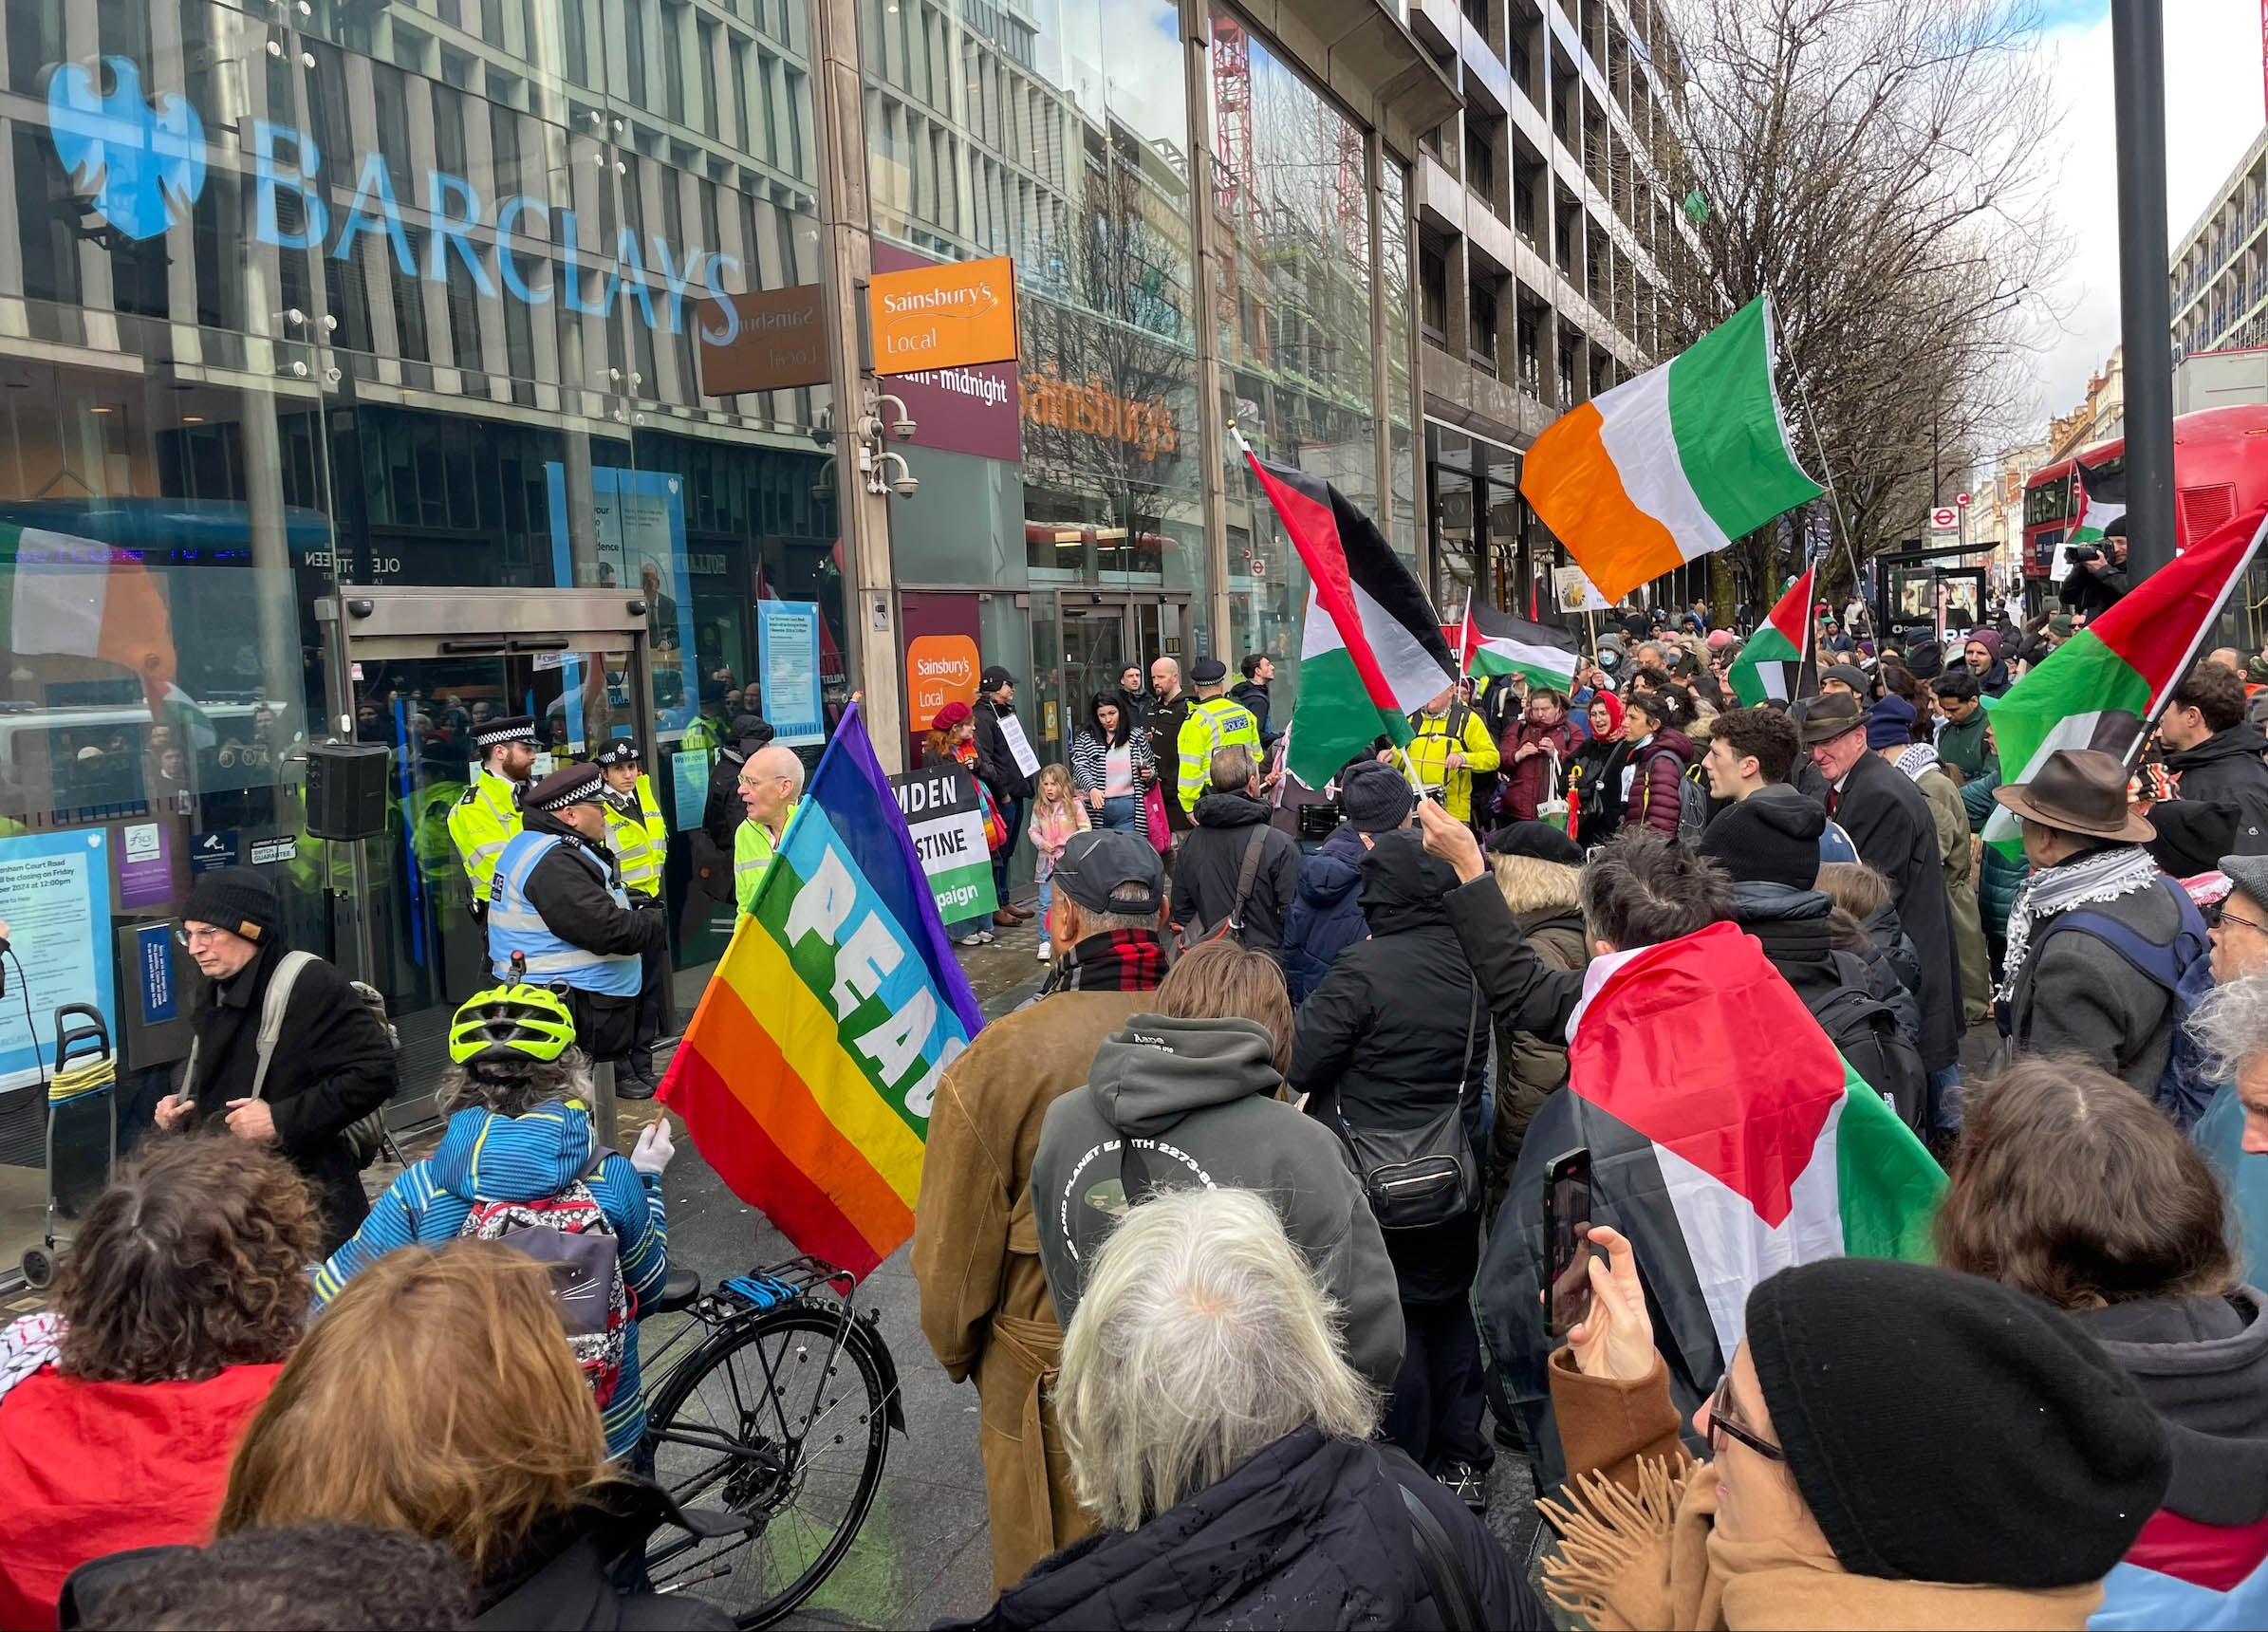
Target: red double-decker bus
x=2219 y=469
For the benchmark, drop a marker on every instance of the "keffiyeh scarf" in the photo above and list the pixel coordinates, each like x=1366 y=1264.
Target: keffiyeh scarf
x=2107 y=874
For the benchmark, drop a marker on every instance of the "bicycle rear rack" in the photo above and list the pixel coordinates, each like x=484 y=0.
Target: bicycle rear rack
x=761 y=1289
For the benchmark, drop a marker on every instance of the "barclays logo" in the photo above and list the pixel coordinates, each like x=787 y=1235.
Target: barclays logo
x=142 y=163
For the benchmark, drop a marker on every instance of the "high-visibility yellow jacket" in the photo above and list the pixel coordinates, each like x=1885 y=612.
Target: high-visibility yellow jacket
x=1460 y=730
x=639 y=841
x=753 y=850
x=1216 y=722
x=485 y=820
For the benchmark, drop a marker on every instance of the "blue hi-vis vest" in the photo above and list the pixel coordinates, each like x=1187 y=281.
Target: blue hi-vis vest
x=516 y=926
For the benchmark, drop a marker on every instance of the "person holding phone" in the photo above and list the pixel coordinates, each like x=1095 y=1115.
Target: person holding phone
x=1822 y=1506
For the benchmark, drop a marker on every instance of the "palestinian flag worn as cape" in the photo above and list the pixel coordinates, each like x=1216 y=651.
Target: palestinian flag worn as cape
x=1671 y=464
x=2102 y=501
x=1494 y=643
x=1766 y=665
x=2098 y=687
x=1371 y=650
x=1728 y=1140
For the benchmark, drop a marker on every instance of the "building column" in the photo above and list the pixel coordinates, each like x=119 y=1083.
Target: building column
x=846 y=261
x=1212 y=436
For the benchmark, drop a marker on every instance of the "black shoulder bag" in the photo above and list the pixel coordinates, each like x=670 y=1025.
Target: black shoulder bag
x=1424 y=1174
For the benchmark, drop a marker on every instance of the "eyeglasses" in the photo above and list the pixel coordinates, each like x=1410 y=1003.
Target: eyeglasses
x=1723 y=1426
x=188 y=937
x=2228 y=916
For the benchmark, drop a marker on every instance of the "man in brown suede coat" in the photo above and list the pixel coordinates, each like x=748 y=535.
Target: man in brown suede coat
x=985 y=1306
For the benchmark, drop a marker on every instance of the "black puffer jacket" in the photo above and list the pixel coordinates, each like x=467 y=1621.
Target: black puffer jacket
x=1397 y=1029
x=563 y=1575
x=1204 y=873
x=1311 y=1532
x=1794 y=927
x=2227 y=765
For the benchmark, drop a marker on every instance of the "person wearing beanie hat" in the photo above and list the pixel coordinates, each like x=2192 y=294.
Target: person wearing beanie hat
x=330 y=1065
x=1892 y=1445
x=1537 y=840
x=1890 y=724
x=1845 y=677
x=558 y=906
x=1325 y=914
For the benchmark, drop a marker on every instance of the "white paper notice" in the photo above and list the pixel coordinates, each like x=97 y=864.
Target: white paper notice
x=1013 y=728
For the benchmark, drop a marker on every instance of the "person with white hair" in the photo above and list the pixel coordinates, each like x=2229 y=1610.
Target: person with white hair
x=1223 y=1443
x=2230 y=1025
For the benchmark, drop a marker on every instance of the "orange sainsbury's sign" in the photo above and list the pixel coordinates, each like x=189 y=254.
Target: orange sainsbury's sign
x=949 y=316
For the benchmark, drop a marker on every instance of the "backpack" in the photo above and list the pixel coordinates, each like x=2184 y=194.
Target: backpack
x=367 y=1135
x=1196 y=934
x=2183 y=971
x=571 y=1236
x=1865 y=1031
x=1693 y=797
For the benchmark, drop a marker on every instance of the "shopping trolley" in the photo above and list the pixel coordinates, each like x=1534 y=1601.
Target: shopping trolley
x=82 y=1127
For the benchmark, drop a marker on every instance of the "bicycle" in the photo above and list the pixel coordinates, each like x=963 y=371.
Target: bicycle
x=779 y=1412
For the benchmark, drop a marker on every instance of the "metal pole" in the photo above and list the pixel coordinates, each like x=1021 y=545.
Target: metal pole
x=2138 y=70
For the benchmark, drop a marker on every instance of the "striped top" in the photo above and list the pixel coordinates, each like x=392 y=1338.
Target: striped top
x=1091 y=767
x=528 y=1157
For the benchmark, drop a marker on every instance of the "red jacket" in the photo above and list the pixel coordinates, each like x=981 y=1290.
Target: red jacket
x=91 y=1469
x=1524 y=781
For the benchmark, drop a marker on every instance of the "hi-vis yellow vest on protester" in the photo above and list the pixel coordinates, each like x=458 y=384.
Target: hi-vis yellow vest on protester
x=753 y=850
x=641 y=842
x=485 y=820
x=1216 y=722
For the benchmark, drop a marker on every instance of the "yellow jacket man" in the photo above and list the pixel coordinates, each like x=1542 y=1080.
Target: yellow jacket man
x=1214 y=722
x=770 y=783
x=488 y=817
x=1452 y=742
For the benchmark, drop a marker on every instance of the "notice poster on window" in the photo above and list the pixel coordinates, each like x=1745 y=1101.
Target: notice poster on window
x=947 y=824
x=55 y=900
x=787 y=654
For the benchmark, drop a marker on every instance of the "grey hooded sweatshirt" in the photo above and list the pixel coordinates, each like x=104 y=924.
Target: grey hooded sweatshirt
x=1198 y=1098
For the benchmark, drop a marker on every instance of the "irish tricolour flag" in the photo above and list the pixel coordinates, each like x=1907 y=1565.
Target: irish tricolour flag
x=1728 y=1140
x=2098 y=687
x=1767 y=665
x=1494 y=643
x=1673 y=464
x=1372 y=649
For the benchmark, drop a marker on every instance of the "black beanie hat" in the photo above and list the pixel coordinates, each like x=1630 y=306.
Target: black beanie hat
x=238 y=901
x=1374 y=797
x=1943 y=1427
x=1539 y=840
x=1772 y=837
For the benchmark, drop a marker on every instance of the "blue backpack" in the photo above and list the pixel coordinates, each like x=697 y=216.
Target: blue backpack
x=2184 y=970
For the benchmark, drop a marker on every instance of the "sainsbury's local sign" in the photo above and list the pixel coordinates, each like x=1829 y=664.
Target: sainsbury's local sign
x=140 y=164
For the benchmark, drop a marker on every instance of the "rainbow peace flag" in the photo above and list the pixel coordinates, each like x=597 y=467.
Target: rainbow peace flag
x=808 y=1073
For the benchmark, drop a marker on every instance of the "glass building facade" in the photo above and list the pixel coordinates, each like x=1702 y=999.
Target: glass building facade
x=368 y=371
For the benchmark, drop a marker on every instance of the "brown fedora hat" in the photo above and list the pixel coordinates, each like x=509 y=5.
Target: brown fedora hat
x=2080 y=790
x=1831 y=715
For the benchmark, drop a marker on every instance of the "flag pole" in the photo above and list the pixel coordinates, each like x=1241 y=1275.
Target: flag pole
x=1464 y=636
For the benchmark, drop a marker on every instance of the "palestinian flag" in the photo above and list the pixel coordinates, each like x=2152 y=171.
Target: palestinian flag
x=1673 y=464
x=2100 y=687
x=1766 y=665
x=1371 y=650
x=1728 y=1140
x=1494 y=643
x=2102 y=501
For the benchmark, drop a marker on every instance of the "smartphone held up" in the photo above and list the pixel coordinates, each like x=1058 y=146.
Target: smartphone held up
x=1566 y=1234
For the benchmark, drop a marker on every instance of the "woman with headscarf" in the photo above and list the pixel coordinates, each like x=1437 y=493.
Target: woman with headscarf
x=1595 y=780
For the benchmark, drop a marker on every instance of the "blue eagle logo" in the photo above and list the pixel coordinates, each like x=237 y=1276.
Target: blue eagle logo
x=142 y=163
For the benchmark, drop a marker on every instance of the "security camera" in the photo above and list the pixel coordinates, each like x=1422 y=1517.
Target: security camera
x=904 y=482
x=905 y=485
x=903 y=427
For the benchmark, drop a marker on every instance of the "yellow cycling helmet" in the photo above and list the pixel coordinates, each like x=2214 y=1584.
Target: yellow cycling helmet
x=507 y=1024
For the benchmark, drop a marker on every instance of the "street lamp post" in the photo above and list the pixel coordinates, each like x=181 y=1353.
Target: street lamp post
x=2144 y=298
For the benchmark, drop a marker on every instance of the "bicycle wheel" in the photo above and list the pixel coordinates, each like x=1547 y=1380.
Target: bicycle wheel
x=781 y=1418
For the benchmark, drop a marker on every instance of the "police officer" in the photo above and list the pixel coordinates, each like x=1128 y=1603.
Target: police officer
x=639 y=839
x=488 y=817
x=1214 y=722
x=770 y=783
x=558 y=901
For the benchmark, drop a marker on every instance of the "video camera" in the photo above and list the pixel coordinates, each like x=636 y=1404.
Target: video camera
x=2077 y=554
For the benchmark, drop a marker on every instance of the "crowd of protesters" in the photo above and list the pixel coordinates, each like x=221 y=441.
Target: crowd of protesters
x=1216 y=1225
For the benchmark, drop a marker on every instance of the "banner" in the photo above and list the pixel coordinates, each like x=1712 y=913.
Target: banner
x=947 y=820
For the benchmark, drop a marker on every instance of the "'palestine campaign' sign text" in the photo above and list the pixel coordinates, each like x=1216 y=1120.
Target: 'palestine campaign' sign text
x=947 y=823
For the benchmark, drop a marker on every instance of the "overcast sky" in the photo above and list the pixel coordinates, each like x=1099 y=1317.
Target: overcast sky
x=2214 y=109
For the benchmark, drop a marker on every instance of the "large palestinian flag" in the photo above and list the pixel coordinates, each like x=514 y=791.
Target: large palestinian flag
x=1493 y=643
x=1728 y=1140
x=2098 y=687
x=1767 y=664
x=1672 y=464
x=1371 y=650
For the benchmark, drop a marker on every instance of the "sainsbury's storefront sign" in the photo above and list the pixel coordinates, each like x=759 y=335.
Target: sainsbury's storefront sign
x=141 y=164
